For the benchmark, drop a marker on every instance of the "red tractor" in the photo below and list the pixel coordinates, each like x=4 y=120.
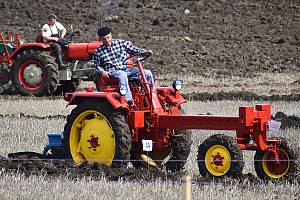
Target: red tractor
x=104 y=129
x=32 y=70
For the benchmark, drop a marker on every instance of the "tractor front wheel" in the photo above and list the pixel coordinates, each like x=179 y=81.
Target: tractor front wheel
x=97 y=133
x=173 y=158
x=267 y=168
x=180 y=149
x=220 y=156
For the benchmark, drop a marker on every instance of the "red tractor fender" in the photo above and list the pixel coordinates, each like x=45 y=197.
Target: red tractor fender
x=114 y=98
x=26 y=46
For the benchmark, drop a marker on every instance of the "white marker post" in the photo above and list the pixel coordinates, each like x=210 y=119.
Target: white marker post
x=187 y=187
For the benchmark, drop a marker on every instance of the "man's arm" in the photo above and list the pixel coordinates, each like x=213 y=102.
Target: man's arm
x=97 y=62
x=63 y=32
x=49 y=38
x=131 y=49
x=62 y=29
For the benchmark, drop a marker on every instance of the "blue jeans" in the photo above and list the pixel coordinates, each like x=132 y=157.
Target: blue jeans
x=122 y=76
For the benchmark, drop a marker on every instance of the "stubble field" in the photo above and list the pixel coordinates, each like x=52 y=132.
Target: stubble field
x=26 y=121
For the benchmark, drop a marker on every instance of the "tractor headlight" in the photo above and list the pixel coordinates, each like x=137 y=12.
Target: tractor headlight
x=177 y=85
x=123 y=90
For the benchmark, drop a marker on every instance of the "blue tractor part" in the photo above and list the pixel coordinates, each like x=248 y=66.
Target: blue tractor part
x=55 y=145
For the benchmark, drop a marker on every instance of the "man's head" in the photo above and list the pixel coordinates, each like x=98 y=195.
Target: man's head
x=52 y=19
x=105 y=36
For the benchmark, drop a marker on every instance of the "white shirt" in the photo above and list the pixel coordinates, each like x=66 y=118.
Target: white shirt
x=48 y=30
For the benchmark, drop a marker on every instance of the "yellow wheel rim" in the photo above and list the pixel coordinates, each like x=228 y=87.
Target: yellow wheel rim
x=217 y=160
x=92 y=139
x=273 y=168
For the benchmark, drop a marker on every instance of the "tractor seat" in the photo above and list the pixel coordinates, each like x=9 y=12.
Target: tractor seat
x=111 y=84
x=39 y=38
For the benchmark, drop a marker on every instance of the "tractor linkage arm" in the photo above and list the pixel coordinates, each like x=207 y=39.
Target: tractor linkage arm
x=251 y=124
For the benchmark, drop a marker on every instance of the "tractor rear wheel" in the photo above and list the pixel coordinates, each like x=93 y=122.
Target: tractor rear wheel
x=267 y=168
x=97 y=133
x=220 y=156
x=34 y=73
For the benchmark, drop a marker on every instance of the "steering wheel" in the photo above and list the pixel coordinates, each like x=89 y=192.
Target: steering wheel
x=75 y=34
x=134 y=59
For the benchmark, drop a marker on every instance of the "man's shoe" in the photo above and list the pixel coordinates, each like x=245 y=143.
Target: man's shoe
x=131 y=103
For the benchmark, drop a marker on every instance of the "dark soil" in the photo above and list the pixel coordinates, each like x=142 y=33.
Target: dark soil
x=287 y=121
x=208 y=38
x=66 y=169
x=63 y=168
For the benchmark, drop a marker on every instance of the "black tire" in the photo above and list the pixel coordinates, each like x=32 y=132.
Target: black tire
x=45 y=69
x=226 y=144
x=288 y=170
x=180 y=149
x=116 y=118
x=180 y=144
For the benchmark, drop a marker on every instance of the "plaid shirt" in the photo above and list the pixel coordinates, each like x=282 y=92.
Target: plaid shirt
x=112 y=58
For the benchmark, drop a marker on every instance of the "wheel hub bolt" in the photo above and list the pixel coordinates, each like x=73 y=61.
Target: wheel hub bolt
x=93 y=142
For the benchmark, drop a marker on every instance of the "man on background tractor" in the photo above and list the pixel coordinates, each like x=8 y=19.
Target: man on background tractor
x=53 y=33
x=110 y=60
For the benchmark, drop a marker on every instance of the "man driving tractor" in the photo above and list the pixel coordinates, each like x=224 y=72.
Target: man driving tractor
x=110 y=60
x=53 y=32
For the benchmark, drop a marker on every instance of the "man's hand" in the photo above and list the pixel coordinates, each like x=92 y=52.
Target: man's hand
x=105 y=74
x=150 y=51
x=63 y=33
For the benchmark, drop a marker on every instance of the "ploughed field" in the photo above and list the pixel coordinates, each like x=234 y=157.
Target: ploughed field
x=219 y=49
x=26 y=121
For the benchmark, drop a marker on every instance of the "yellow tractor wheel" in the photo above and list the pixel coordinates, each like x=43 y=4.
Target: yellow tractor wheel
x=220 y=156
x=97 y=133
x=217 y=160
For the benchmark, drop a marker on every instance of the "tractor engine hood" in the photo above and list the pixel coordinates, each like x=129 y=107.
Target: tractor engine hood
x=82 y=51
